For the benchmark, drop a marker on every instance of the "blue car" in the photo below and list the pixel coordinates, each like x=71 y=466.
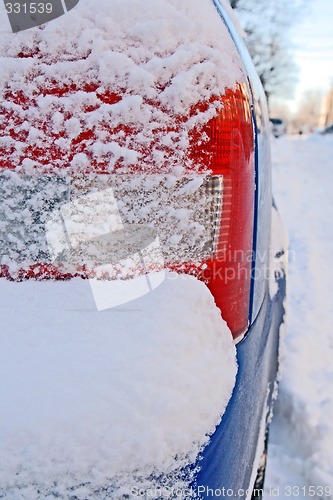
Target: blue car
x=135 y=142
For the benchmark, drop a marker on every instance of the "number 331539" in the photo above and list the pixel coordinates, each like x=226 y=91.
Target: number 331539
x=28 y=8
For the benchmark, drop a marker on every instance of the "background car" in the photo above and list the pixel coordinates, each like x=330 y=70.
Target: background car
x=327 y=130
x=147 y=127
x=278 y=126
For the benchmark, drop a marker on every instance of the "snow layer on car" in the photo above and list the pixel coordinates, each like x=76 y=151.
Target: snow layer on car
x=162 y=57
x=107 y=399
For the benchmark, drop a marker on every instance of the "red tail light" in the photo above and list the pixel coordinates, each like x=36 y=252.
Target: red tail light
x=228 y=271
x=223 y=205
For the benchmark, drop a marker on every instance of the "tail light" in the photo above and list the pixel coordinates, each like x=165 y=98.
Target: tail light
x=204 y=217
x=228 y=271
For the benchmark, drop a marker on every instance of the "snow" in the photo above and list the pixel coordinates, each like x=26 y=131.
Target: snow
x=160 y=58
x=175 y=207
x=300 y=450
x=104 y=400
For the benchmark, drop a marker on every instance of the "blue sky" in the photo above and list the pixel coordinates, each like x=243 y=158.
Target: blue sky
x=313 y=46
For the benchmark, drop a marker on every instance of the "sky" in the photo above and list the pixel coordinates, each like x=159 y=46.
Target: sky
x=312 y=45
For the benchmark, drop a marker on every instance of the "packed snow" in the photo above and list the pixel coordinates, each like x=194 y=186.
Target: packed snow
x=101 y=401
x=300 y=452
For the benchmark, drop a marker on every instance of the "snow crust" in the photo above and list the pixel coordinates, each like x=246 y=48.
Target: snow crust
x=174 y=207
x=162 y=58
x=94 y=402
x=300 y=450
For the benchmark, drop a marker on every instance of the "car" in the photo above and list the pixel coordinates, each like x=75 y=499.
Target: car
x=327 y=130
x=278 y=126
x=135 y=149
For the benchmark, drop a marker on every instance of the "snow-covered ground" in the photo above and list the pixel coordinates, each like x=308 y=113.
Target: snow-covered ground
x=300 y=450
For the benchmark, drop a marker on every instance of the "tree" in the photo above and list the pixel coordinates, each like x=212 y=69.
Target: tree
x=307 y=116
x=327 y=108
x=267 y=24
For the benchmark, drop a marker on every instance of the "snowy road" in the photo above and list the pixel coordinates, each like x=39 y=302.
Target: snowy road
x=300 y=456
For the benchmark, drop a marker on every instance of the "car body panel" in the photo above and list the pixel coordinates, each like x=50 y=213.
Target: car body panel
x=229 y=458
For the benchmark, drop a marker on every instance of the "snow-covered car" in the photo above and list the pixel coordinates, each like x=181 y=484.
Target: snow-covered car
x=328 y=129
x=141 y=255
x=278 y=126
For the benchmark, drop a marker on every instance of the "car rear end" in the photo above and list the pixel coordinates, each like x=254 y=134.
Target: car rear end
x=161 y=117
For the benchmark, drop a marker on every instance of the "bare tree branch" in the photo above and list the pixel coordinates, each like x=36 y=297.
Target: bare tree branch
x=267 y=26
